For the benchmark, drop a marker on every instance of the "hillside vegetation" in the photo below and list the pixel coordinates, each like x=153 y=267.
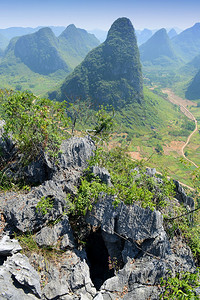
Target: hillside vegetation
x=40 y=60
x=110 y=74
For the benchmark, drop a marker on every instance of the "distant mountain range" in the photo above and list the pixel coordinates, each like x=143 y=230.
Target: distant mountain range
x=44 y=53
x=111 y=75
x=193 y=90
x=187 y=43
x=158 y=50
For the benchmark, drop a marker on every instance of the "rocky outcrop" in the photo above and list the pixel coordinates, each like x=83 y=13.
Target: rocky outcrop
x=18 y=279
x=123 y=254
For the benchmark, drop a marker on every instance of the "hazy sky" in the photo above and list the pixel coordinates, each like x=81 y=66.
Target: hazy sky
x=92 y=14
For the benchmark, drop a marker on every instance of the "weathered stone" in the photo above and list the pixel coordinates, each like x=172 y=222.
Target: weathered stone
x=158 y=246
x=182 y=197
x=49 y=236
x=21 y=212
x=56 y=288
x=102 y=173
x=8 y=246
x=80 y=276
x=150 y=172
x=10 y=291
x=20 y=269
x=129 y=221
x=99 y=297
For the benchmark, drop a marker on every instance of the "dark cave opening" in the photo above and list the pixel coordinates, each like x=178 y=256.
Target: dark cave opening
x=98 y=258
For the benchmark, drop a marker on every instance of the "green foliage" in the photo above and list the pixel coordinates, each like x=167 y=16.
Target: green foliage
x=159 y=149
x=36 y=124
x=188 y=125
x=44 y=205
x=5 y=182
x=88 y=193
x=181 y=287
x=129 y=184
x=106 y=76
x=104 y=122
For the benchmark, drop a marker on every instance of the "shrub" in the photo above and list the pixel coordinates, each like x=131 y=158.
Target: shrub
x=35 y=124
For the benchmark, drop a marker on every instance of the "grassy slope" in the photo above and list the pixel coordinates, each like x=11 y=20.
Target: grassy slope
x=163 y=124
x=19 y=76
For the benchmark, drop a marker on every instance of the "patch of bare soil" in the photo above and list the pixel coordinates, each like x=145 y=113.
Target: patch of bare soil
x=174 y=146
x=178 y=100
x=135 y=155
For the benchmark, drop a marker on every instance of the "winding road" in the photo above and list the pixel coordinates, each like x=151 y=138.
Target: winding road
x=182 y=103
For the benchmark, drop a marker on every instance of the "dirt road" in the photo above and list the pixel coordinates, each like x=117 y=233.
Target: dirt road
x=183 y=103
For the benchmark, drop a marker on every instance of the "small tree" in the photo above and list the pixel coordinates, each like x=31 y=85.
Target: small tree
x=36 y=125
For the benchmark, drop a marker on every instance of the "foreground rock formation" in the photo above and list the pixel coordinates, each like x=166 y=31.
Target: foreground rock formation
x=126 y=253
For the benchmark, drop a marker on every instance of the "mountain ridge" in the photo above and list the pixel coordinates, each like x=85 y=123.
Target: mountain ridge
x=187 y=43
x=158 y=50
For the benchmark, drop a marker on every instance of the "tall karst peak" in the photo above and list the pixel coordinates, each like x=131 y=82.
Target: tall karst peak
x=68 y=30
x=122 y=28
x=110 y=73
x=77 y=41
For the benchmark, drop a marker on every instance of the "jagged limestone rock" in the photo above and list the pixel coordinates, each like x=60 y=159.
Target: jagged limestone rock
x=20 y=209
x=9 y=246
x=26 y=278
x=129 y=221
x=182 y=197
x=49 y=235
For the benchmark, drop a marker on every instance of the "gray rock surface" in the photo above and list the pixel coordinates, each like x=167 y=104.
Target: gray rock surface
x=49 y=235
x=21 y=212
x=68 y=276
x=17 y=269
x=182 y=197
x=131 y=222
x=134 y=236
x=9 y=246
x=102 y=173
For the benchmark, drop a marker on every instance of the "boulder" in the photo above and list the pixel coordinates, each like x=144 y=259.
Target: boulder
x=102 y=173
x=21 y=212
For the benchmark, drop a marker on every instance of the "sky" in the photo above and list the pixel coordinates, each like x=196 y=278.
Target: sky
x=93 y=14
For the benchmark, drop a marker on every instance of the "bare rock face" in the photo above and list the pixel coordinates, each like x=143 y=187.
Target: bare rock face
x=20 y=209
x=129 y=221
x=50 y=235
x=9 y=246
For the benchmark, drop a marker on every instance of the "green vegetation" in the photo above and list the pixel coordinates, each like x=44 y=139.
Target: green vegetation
x=193 y=91
x=39 y=61
x=44 y=205
x=181 y=287
x=36 y=125
x=130 y=184
x=106 y=76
